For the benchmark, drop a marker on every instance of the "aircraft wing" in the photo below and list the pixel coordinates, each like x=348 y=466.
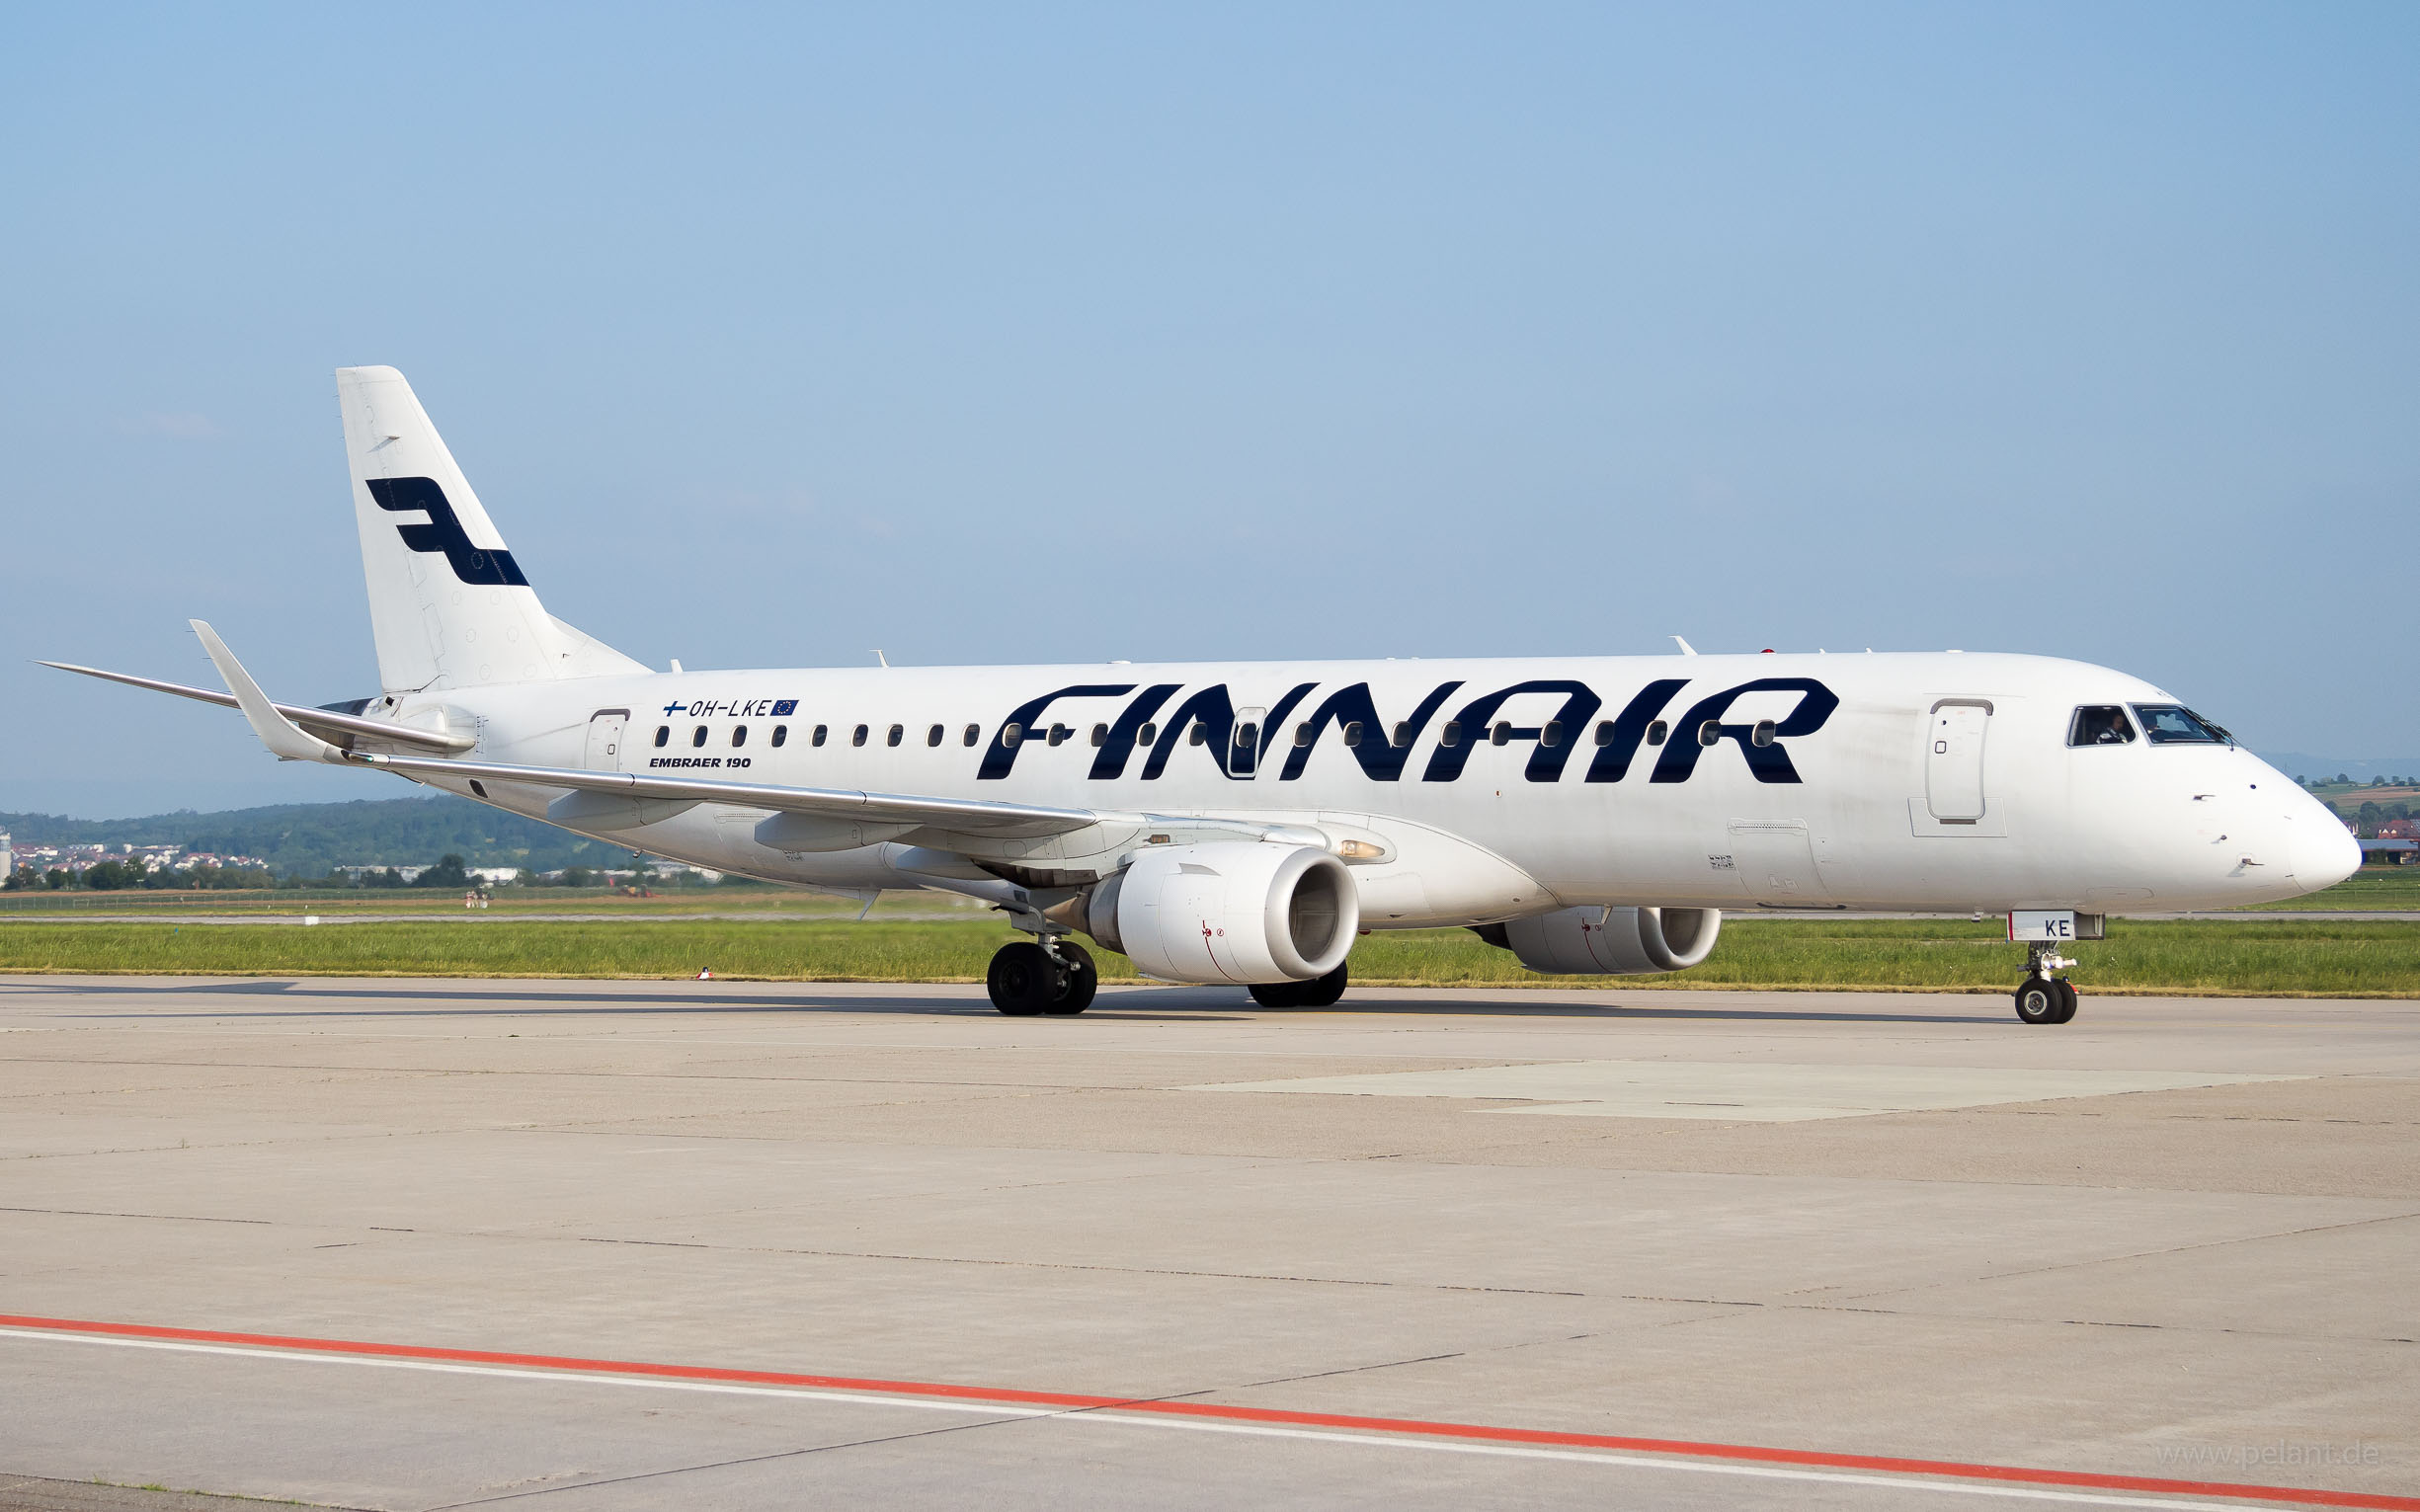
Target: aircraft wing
x=971 y=815
x=284 y=730
x=343 y=729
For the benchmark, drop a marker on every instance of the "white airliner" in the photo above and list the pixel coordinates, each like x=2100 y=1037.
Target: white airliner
x=1242 y=822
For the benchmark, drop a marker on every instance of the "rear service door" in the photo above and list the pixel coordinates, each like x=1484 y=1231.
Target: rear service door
x=605 y=740
x=1954 y=760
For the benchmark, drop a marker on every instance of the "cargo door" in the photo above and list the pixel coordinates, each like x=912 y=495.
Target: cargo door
x=1775 y=860
x=1954 y=760
x=605 y=740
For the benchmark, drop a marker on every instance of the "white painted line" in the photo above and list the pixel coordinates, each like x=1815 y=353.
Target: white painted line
x=1113 y=1418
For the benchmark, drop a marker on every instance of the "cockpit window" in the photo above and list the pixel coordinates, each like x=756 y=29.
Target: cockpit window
x=2172 y=724
x=2100 y=724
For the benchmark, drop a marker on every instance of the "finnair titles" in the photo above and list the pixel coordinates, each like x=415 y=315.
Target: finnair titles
x=1243 y=822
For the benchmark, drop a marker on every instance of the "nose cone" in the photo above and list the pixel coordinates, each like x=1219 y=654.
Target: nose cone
x=2320 y=849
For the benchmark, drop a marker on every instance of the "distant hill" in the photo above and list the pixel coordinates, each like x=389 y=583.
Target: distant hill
x=2325 y=768
x=307 y=838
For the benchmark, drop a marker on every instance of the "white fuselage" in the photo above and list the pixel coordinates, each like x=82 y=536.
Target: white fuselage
x=1900 y=782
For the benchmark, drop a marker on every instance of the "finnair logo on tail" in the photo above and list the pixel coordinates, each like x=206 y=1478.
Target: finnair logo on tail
x=443 y=533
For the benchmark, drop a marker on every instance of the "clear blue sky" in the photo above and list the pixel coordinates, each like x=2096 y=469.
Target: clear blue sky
x=995 y=334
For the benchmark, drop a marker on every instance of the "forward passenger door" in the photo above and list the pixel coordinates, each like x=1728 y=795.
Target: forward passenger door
x=1954 y=760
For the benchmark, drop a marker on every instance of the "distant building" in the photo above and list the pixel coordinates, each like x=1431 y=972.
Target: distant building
x=495 y=875
x=8 y=857
x=357 y=873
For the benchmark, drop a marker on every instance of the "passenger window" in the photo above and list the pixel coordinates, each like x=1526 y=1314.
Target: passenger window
x=739 y=736
x=974 y=733
x=2100 y=724
x=897 y=732
x=1763 y=733
x=1710 y=733
x=698 y=736
x=858 y=736
x=1146 y=735
x=1502 y=733
x=817 y=737
x=932 y=737
x=1057 y=733
x=2172 y=724
x=1012 y=736
x=1247 y=736
x=1656 y=732
x=782 y=736
x=1302 y=734
x=1552 y=735
x=663 y=735
x=1100 y=735
x=1352 y=731
x=1451 y=735
x=1604 y=732
x=1403 y=732
x=1197 y=735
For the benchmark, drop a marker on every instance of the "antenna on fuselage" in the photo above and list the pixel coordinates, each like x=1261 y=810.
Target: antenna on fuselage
x=1685 y=648
x=879 y=659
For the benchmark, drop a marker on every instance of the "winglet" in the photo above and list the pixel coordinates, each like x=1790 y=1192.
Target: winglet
x=287 y=740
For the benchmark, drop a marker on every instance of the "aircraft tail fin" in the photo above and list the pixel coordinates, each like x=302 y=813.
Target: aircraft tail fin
x=449 y=606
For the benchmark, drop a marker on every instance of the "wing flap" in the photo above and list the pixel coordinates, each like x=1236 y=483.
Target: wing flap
x=975 y=815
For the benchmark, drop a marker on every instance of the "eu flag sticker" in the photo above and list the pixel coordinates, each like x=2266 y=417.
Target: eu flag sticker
x=783 y=706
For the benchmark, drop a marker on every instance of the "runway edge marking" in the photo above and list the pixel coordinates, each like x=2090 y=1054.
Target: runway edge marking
x=1750 y=1453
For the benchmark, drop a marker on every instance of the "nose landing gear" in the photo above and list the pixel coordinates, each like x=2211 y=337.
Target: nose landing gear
x=2045 y=998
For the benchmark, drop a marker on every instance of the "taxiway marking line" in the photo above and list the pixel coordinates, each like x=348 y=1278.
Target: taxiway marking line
x=1760 y=1461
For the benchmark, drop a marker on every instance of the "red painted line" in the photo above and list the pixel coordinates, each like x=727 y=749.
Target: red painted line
x=1479 y=1432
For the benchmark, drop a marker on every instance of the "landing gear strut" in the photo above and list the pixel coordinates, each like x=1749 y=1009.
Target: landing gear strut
x=1055 y=976
x=2045 y=998
x=1317 y=992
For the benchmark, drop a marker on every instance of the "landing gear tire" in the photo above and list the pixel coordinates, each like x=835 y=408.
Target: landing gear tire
x=1321 y=992
x=1023 y=979
x=1079 y=980
x=1317 y=992
x=2046 y=1001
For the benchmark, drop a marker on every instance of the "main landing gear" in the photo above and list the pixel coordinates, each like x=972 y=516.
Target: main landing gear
x=1317 y=992
x=1056 y=976
x=2045 y=998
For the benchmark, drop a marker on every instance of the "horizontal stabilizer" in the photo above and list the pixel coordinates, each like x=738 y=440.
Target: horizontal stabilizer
x=341 y=728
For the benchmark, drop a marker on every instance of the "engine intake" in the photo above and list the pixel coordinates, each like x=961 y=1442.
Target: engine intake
x=1609 y=943
x=1228 y=911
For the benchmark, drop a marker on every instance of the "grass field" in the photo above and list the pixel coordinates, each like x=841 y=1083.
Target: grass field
x=448 y=902
x=2318 y=958
x=2387 y=889
x=2380 y=888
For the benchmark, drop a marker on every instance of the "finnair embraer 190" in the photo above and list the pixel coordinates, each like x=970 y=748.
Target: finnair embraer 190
x=1242 y=822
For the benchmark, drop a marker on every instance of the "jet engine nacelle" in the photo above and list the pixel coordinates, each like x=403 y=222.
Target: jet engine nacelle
x=1228 y=911
x=1609 y=943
